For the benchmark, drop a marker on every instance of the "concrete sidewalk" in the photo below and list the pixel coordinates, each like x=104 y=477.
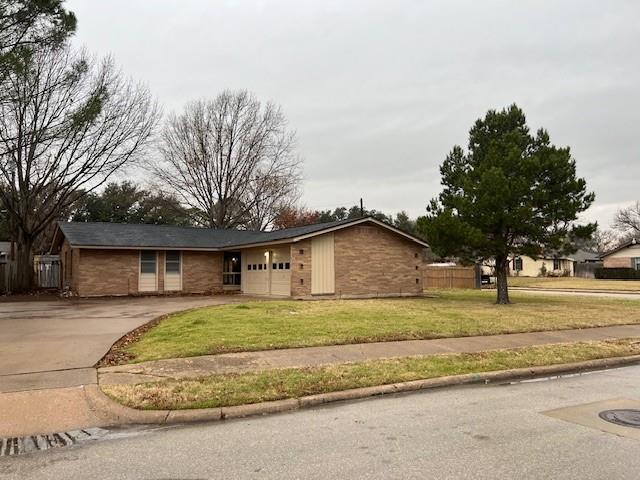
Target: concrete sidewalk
x=47 y=411
x=619 y=294
x=192 y=367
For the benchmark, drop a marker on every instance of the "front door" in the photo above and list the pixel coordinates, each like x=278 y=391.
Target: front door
x=148 y=280
x=231 y=271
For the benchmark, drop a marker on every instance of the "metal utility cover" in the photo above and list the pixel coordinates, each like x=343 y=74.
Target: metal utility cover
x=589 y=415
x=623 y=417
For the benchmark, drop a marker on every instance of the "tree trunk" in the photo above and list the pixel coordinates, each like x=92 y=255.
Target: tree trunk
x=24 y=276
x=502 y=288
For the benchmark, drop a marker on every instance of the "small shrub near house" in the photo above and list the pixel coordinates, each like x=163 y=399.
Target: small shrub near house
x=543 y=271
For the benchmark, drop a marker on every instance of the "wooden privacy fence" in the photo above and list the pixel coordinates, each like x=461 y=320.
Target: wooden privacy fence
x=450 y=277
x=587 y=270
x=6 y=272
x=47 y=268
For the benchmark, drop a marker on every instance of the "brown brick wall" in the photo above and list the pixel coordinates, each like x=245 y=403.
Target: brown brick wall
x=115 y=272
x=107 y=272
x=70 y=261
x=160 y=269
x=202 y=272
x=371 y=260
x=301 y=269
x=617 y=262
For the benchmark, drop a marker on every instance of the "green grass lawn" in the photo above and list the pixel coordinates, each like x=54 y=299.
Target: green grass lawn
x=281 y=324
x=575 y=283
x=239 y=389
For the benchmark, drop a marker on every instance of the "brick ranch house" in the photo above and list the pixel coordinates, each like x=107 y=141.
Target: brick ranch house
x=362 y=257
x=626 y=255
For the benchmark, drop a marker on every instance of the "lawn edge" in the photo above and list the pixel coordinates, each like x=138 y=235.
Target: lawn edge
x=134 y=335
x=123 y=415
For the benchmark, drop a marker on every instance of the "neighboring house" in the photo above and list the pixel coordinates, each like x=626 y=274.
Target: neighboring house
x=361 y=257
x=581 y=263
x=552 y=265
x=626 y=255
x=523 y=266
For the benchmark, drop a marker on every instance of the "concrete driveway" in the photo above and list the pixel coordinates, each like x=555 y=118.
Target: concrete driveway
x=48 y=349
x=58 y=335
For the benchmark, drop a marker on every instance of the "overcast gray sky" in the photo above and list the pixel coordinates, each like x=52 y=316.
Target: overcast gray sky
x=379 y=92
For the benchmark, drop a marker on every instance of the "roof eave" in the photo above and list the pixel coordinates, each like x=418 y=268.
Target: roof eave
x=145 y=247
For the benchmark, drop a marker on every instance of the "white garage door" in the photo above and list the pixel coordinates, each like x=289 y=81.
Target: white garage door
x=281 y=271
x=255 y=272
x=267 y=273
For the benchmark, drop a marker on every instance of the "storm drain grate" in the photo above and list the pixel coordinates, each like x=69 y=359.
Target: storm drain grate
x=33 y=443
x=623 y=417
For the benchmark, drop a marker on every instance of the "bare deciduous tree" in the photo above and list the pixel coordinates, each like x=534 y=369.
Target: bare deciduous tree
x=627 y=220
x=232 y=159
x=67 y=123
x=603 y=241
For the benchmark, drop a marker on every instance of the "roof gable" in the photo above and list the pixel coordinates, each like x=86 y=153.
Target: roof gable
x=628 y=244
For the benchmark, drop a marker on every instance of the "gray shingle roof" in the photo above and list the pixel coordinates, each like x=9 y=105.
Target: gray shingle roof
x=582 y=256
x=121 y=235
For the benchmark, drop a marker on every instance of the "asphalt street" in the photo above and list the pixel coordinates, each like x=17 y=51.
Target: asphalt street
x=483 y=432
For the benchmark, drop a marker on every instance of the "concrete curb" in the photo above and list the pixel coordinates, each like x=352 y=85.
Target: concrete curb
x=118 y=414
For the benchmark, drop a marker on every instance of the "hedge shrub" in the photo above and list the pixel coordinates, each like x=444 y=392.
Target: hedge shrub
x=617 y=274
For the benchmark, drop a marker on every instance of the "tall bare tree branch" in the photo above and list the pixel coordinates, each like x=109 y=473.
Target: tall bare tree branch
x=627 y=220
x=232 y=159
x=67 y=123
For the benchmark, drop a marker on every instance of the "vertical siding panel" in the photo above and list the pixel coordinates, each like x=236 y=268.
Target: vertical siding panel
x=323 y=264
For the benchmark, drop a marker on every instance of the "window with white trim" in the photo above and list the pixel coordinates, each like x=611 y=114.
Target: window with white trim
x=172 y=261
x=148 y=261
x=517 y=264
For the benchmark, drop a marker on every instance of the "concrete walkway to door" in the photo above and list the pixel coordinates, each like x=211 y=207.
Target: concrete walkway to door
x=193 y=367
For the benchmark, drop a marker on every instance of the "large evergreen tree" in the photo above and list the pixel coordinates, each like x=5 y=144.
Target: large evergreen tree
x=126 y=202
x=25 y=24
x=510 y=193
